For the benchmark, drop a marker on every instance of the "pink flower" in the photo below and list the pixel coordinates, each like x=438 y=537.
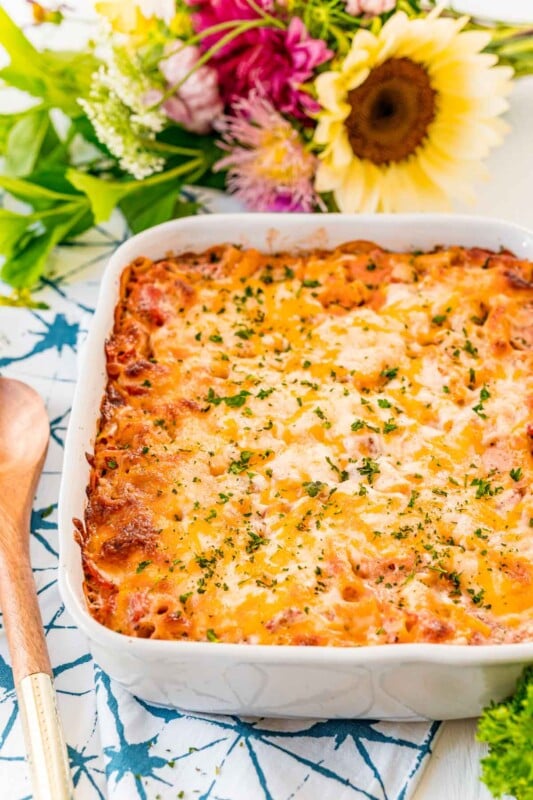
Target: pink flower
x=197 y=102
x=268 y=166
x=277 y=61
x=370 y=8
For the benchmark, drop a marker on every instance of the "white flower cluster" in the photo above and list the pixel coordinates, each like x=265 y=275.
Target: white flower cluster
x=120 y=115
x=125 y=77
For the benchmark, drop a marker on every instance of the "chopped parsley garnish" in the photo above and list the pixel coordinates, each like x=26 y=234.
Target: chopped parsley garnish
x=383 y=402
x=215 y=337
x=484 y=394
x=477 y=597
x=370 y=469
x=211 y=635
x=310 y=284
x=412 y=500
x=142 y=565
x=516 y=474
x=485 y=488
x=439 y=319
x=236 y=467
x=478 y=409
x=245 y=333
x=470 y=349
x=390 y=426
x=254 y=542
x=263 y=393
x=358 y=424
x=236 y=401
x=111 y=463
x=313 y=487
x=389 y=373
x=342 y=473
x=147 y=383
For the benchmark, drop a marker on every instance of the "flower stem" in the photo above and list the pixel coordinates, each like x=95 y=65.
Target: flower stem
x=181 y=169
x=204 y=58
x=276 y=23
x=197 y=37
x=173 y=149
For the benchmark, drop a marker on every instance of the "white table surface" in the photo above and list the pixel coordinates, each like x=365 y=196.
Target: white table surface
x=453 y=770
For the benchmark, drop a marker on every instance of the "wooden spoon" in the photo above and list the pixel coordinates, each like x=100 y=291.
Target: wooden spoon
x=24 y=433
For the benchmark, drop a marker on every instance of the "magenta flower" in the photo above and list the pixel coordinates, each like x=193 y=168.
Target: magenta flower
x=212 y=12
x=268 y=166
x=196 y=103
x=274 y=60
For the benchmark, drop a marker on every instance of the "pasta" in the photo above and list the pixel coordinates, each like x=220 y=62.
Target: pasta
x=321 y=448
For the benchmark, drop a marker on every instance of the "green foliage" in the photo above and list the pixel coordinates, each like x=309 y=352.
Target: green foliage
x=59 y=78
x=150 y=207
x=26 y=240
x=507 y=728
x=143 y=203
x=25 y=142
x=61 y=197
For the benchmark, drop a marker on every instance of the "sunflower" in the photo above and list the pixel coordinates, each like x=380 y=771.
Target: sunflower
x=409 y=115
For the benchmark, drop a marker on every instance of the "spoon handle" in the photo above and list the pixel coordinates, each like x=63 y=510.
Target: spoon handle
x=45 y=744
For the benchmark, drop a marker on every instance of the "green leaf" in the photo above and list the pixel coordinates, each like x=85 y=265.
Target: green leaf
x=150 y=207
x=59 y=78
x=32 y=193
x=213 y=180
x=21 y=52
x=12 y=227
x=24 y=142
x=28 y=258
x=54 y=179
x=7 y=121
x=103 y=196
x=507 y=728
x=26 y=82
x=186 y=208
x=26 y=266
x=54 y=152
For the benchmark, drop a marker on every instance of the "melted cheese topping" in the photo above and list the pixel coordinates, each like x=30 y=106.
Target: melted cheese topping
x=330 y=449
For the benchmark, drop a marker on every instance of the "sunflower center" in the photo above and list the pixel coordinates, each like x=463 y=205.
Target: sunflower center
x=391 y=111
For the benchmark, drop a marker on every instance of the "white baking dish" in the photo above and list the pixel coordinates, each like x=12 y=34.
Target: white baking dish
x=408 y=681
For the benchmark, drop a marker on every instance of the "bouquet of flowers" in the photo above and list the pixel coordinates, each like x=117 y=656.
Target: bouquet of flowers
x=291 y=105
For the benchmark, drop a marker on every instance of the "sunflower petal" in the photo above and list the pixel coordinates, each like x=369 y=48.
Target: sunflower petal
x=470 y=94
